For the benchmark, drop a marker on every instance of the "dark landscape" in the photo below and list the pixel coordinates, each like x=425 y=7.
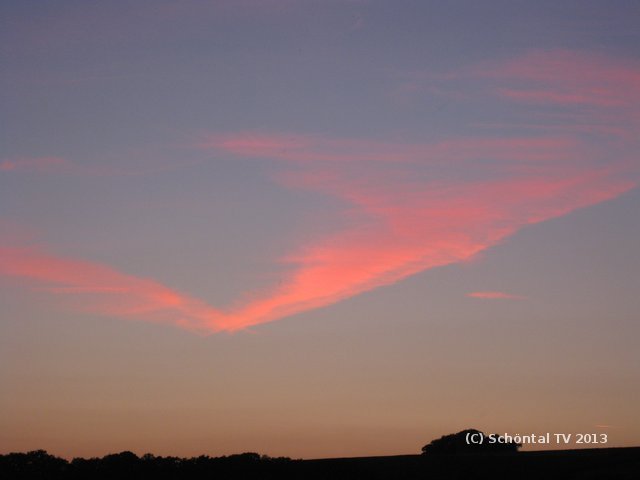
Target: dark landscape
x=601 y=463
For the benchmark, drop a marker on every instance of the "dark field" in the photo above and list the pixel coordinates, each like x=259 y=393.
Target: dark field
x=611 y=463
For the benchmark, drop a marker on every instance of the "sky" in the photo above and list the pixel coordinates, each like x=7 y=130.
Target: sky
x=317 y=228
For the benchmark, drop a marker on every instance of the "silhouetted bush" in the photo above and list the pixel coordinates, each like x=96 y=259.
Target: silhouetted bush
x=470 y=441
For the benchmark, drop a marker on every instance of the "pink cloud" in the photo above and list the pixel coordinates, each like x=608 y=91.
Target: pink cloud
x=400 y=229
x=577 y=97
x=314 y=148
x=402 y=226
x=34 y=165
x=565 y=77
x=566 y=66
x=411 y=206
x=100 y=289
x=146 y=160
x=408 y=232
x=494 y=295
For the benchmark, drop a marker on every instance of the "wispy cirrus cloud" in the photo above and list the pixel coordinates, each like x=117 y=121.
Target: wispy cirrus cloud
x=492 y=295
x=411 y=206
x=568 y=78
x=131 y=162
x=34 y=164
x=563 y=66
x=98 y=288
x=586 y=90
x=400 y=225
x=316 y=148
x=404 y=224
x=605 y=99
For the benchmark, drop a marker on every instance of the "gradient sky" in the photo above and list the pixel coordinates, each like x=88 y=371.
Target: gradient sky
x=316 y=228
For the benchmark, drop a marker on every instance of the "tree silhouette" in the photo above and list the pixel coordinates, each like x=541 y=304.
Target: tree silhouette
x=470 y=441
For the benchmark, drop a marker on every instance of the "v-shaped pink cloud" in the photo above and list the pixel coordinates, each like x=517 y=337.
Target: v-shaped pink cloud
x=404 y=218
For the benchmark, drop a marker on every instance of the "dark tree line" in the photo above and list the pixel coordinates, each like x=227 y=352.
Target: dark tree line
x=621 y=463
x=41 y=465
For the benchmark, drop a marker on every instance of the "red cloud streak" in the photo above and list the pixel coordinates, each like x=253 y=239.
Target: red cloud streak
x=101 y=289
x=401 y=232
x=412 y=206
